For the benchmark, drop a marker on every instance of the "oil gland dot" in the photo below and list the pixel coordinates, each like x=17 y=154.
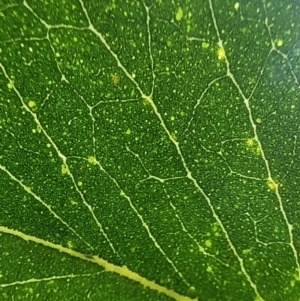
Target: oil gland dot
x=250 y=142
x=208 y=243
x=279 y=43
x=31 y=104
x=272 y=185
x=236 y=6
x=64 y=169
x=115 y=79
x=10 y=85
x=92 y=160
x=221 y=53
x=179 y=14
x=205 y=45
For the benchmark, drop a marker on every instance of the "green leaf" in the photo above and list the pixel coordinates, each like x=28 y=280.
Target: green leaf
x=149 y=150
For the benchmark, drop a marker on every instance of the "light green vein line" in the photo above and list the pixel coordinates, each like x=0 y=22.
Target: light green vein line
x=48 y=207
x=108 y=267
x=45 y=279
x=60 y=155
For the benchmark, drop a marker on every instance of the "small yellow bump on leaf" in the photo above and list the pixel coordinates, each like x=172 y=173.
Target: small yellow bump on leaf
x=236 y=6
x=292 y=283
x=115 y=79
x=179 y=14
x=246 y=251
x=92 y=160
x=279 y=43
x=208 y=243
x=70 y=244
x=209 y=269
x=73 y=202
x=253 y=145
x=272 y=185
x=221 y=53
x=172 y=118
x=201 y=249
x=205 y=45
x=215 y=227
x=10 y=85
x=64 y=169
x=250 y=142
x=31 y=104
x=128 y=132
x=79 y=183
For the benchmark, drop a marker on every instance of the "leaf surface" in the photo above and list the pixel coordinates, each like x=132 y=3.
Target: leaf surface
x=149 y=150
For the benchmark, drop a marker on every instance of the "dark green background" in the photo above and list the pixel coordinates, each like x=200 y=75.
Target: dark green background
x=186 y=165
